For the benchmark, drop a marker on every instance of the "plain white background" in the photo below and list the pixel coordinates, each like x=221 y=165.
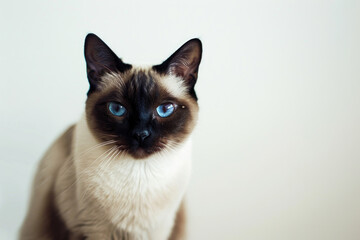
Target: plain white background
x=277 y=147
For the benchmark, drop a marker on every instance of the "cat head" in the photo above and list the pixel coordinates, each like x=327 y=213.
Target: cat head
x=141 y=110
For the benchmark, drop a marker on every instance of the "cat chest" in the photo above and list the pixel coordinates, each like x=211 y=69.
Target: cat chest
x=138 y=196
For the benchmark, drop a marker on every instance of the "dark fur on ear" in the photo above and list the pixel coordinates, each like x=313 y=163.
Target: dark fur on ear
x=184 y=63
x=99 y=60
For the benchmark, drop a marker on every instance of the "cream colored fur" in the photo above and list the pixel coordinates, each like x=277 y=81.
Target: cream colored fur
x=106 y=194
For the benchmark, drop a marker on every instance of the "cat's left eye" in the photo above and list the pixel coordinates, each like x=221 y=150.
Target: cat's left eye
x=116 y=109
x=165 y=110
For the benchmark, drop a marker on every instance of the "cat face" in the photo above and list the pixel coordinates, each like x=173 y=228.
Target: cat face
x=143 y=110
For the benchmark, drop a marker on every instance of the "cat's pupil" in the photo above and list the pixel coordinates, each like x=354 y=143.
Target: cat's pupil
x=166 y=107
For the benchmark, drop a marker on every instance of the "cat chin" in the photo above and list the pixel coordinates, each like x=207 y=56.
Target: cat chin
x=141 y=153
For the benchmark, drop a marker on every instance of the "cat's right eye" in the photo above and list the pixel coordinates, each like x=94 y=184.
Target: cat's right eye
x=116 y=109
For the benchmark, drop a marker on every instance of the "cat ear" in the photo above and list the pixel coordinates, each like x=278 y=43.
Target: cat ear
x=99 y=60
x=184 y=63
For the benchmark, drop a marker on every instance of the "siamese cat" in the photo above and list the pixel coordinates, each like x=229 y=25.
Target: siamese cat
x=121 y=172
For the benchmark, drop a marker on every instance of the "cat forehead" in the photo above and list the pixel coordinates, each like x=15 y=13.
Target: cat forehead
x=140 y=79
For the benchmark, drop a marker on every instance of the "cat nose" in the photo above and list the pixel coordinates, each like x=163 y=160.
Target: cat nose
x=141 y=135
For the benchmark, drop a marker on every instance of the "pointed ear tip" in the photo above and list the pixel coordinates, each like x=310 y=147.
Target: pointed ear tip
x=197 y=42
x=89 y=36
x=92 y=38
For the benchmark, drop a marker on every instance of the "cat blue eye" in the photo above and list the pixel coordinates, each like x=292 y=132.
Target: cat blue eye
x=116 y=108
x=165 y=110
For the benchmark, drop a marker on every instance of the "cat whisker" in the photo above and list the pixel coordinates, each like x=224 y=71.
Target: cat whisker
x=108 y=135
x=119 y=152
x=97 y=146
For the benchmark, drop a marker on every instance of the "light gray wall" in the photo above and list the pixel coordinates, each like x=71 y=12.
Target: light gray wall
x=276 y=151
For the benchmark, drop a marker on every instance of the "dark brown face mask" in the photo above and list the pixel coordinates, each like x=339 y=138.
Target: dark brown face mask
x=132 y=107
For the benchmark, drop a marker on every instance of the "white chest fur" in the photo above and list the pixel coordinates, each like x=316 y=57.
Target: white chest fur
x=139 y=197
